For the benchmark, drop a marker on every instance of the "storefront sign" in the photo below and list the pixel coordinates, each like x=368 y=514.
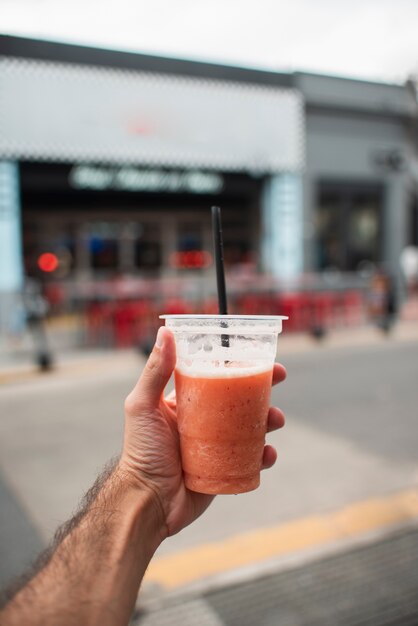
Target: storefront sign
x=139 y=179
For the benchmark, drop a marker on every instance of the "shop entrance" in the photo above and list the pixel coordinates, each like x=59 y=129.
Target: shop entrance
x=102 y=234
x=348 y=226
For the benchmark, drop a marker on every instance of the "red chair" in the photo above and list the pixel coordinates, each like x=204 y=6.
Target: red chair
x=99 y=322
x=294 y=306
x=124 y=320
x=353 y=308
x=177 y=306
x=323 y=310
x=210 y=307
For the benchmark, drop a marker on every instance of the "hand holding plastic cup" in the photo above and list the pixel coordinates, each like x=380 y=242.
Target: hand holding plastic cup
x=223 y=393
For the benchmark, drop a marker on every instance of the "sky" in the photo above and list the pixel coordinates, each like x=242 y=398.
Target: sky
x=369 y=39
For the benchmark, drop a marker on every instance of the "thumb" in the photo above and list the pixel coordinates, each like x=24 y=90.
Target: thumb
x=147 y=392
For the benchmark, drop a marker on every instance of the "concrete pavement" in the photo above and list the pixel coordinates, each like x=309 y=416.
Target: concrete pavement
x=373 y=584
x=20 y=540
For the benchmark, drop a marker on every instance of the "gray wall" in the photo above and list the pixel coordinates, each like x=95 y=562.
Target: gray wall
x=349 y=123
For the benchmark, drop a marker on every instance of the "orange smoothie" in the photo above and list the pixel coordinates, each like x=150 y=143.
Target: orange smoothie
x=222 y=423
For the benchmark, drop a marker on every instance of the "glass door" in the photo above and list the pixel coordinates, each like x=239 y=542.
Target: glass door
x=348 y=226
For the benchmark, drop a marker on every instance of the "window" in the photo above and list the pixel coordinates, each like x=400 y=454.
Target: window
x=103 y=245
x=189 y=237
x=104 y=253
x=362 y=232
x=236 y=237
x=148 y=253
x=348 y=226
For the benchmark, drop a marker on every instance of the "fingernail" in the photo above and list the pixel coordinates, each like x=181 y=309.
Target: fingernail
x=160 y=337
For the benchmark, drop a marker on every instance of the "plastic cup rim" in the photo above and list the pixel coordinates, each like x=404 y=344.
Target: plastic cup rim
x=185 y=316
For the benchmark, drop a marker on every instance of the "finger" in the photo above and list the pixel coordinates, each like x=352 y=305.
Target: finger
x=279 y=373
x=275 y=419
x=147 y=392
x=269 y=457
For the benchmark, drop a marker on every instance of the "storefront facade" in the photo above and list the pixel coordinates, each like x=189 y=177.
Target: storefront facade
x=103 y=220
x=120 y=157
x=111 y=161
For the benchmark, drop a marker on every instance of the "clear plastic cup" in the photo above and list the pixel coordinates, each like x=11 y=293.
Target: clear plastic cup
x=223 y=381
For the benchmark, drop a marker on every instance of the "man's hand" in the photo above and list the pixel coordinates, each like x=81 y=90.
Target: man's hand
x=92 y=572
x=151 y=452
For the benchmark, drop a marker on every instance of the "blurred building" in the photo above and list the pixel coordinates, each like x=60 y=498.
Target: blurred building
x=110 y=161
x=361 y=176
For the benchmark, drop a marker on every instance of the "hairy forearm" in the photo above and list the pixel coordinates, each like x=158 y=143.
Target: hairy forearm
x=92 y=573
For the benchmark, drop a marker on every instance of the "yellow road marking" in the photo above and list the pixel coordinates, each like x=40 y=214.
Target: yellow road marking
x=17 y=376
x=108 y=361
x=245 y=549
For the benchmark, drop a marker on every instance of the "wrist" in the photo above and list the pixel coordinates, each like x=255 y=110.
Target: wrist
x=143 y=503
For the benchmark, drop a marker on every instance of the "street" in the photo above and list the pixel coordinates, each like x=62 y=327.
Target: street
x=351 y=435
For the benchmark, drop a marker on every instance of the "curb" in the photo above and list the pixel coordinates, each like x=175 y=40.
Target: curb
x=270 y=550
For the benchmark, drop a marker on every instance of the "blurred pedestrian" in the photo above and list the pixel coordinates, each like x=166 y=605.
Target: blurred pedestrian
x=36 y=307
x=383 y=301
x=92 y=572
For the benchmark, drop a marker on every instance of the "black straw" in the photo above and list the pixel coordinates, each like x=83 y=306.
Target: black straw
x=220 y=269
x=219 y=259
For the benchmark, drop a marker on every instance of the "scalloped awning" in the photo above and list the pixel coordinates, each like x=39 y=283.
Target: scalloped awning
x=66 y=112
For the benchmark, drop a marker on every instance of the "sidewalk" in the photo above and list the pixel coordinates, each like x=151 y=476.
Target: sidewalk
x=21 y=365
x=369 y=585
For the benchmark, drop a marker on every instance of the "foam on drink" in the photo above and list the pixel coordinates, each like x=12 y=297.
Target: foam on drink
x=221 y=369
